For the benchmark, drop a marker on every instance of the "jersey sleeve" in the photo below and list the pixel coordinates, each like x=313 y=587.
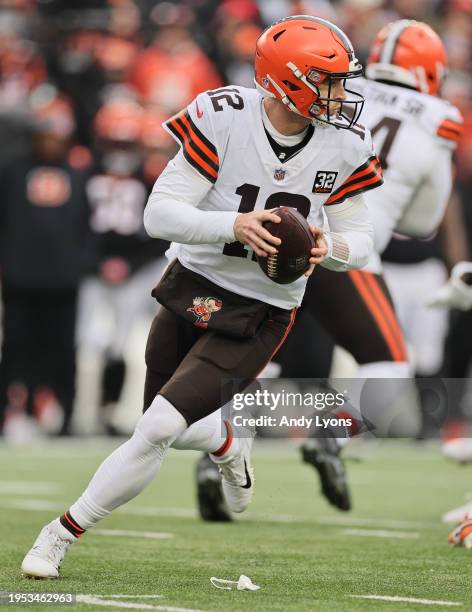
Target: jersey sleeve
x=445 y=122
x=193 y=129
x=365 y=177
x=450 y=131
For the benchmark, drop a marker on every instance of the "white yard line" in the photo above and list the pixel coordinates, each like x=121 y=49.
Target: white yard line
x=94 y=600
x=154 y=511
x=28 y=487
x=41 y=505
x=123 y=533
x=35 y=505
x=380 y=533
x=373 y=521
x=426 y=602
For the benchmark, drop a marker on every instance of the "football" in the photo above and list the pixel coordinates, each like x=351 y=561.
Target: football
x=291 y=261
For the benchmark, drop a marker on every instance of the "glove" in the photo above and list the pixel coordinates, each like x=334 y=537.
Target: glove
x=455 y=293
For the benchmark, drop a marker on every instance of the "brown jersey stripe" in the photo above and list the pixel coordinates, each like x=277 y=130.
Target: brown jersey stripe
x=374 y=170
x=190 y=154
x=208 y=156
x=367 y=170
x=373 y=180
x=202 y=140
x=183 y=134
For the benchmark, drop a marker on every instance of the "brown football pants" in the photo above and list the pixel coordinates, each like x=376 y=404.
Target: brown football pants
x=197 y=370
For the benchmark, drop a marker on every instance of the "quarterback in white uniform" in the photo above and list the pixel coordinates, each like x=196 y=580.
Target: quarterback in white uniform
x=212 y=201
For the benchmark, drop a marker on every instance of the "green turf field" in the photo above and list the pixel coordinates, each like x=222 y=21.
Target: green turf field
x=304 y=555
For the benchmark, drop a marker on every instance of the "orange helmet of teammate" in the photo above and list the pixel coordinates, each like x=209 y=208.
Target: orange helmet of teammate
x=409 y=53
x=297 y=54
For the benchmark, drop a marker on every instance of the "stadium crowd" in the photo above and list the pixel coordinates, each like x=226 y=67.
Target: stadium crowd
x=84 y=87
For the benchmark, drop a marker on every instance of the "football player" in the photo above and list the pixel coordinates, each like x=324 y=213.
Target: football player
x=244 y=152
x=415 y=133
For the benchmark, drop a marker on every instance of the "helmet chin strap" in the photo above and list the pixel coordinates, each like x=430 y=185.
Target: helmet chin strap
x=286 y=100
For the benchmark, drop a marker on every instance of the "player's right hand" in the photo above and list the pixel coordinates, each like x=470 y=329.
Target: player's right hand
x=249 y=230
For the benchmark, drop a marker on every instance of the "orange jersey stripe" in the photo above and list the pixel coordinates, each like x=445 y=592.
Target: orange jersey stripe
x=350 y=188
x=362 y=173
x=361 y=286
x=193 y=154
x=198 y=141
x=448 y=135
x=450 y=130
x=451 y=125
x=386 y=307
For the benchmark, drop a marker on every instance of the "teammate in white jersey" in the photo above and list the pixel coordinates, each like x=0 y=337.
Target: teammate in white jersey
x=415 y=133
x=221 y=317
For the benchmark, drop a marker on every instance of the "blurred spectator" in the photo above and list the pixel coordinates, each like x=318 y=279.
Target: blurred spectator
x=129 y=262
x=173 y=70
x=237 y=27
x=43 y=241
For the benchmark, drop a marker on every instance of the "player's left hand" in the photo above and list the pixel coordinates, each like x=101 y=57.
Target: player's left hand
x=457 y=292
x=319 y=252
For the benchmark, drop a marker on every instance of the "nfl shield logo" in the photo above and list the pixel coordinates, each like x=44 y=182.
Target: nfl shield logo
x=279 y=174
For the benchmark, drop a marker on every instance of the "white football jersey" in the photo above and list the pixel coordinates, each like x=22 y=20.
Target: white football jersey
x=223 y=138
x=414 y=136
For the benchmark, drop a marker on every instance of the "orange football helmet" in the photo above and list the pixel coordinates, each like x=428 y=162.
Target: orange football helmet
x=295 y=55
x=408 y=53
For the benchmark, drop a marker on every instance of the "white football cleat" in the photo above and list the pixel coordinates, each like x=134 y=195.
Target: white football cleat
x=45 y=558
x=458 y=450
x=462 y=535
x=238 y=476
x=458 y=515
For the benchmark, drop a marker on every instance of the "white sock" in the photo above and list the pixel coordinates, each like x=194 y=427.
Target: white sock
x=211 y=435
x=132 y=466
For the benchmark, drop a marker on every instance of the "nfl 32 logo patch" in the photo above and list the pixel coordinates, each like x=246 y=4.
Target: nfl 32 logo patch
x=324 y=181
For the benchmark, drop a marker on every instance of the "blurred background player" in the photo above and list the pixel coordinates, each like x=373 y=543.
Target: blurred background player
x=128 y=261
x=44 y=246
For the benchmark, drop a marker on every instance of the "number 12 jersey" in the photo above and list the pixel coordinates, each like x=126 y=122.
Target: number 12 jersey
x=223 y=139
